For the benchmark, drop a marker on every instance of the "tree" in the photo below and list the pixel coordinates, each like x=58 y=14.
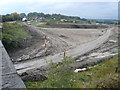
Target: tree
x=49 y=16
x=0 y=18
x=22 y=15
x=7 y=18
x=15 y=16
x=89 y=22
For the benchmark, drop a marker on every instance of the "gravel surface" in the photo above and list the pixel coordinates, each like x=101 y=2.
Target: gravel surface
x=107 y=50
x=60 y=39
x=59 y=42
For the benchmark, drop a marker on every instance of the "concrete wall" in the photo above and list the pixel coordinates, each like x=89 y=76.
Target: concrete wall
x=8 y=74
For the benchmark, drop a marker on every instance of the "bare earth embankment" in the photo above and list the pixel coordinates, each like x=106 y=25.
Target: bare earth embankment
x=60 y=39
x=73 y=40
x=84 y=46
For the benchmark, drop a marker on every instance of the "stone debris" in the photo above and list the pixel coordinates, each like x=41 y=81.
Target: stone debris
x=112 y=41
x=94 y=54
x=104 y=52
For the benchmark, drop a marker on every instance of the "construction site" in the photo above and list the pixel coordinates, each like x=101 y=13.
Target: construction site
x=86 y=44
x=59 y=44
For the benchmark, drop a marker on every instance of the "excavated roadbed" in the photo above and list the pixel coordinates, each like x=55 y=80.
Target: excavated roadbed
x=107 y=50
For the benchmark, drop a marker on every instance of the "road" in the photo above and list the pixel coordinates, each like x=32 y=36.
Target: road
x=74 y=52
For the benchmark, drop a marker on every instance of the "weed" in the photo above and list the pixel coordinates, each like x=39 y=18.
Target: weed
x=12 y=34
x=45 y=26
x=62 y=76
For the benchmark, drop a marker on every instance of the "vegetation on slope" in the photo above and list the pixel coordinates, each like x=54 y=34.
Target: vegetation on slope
x=49 y=16
x=34 y=23
x=0 y=24
x=45 y=26
x=13 y=34
x=104 y=75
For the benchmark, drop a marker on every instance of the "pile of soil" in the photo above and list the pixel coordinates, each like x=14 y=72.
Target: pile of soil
x=37 y=75
x=73 y=25
x=33 y=77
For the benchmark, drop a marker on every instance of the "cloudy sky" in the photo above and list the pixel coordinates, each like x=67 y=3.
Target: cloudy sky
x=94 y=9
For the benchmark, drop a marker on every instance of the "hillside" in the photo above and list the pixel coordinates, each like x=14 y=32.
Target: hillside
x=104 y=75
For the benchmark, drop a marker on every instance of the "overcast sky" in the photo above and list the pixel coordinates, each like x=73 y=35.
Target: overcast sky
x=92 y=9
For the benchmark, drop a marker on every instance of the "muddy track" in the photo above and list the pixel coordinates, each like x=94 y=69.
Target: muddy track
x=75 y=52
x=106 y=51
x=60 y=39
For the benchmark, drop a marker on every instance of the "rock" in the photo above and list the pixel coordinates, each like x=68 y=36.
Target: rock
x=112 y=41
x=94 y=54
x=114 y=50
x=34 y=77
x=23 y=74
x=78 y=60
x=19 y=59
x=25 y=57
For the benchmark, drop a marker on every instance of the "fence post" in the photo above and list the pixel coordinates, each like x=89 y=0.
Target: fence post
x=64 y=53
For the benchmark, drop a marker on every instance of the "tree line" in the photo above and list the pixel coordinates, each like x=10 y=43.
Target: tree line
x=16 y=17
x=12 y=17
x=51 y=16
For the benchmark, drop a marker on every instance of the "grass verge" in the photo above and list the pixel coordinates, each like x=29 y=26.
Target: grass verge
x=34 y=23
x=13 y=34
x=0 y=24
x=62 y=76
x=45 y=26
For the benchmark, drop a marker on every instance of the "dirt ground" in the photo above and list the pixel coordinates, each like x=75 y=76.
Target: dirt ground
x=28 y=45
x=60 y=39
x=105 y=51
x=76 y=36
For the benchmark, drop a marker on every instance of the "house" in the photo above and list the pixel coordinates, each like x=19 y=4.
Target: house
x=24 y=19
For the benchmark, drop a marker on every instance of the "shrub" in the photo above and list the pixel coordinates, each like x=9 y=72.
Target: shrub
x=12 y=35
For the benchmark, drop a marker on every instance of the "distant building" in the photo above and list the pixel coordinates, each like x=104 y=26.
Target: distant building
x=24 y=19
x=40 y=19
x=97 y=23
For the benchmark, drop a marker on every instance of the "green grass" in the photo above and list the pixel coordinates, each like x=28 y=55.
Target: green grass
x=62 y=76
x=0 y=24
x=45 y=26
x=41 y=25
x=34 y=23
x=12 y=34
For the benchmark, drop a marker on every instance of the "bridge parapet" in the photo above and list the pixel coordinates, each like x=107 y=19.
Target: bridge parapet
x=8 y=75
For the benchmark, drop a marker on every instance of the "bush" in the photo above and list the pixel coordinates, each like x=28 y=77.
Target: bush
x=104 y=75
x=45 y=26
x=12 y=35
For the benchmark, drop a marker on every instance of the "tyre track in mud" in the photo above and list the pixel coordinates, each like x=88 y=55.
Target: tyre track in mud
x=74 y=53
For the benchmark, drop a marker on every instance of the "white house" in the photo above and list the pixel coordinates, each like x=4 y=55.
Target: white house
x=24 y=19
